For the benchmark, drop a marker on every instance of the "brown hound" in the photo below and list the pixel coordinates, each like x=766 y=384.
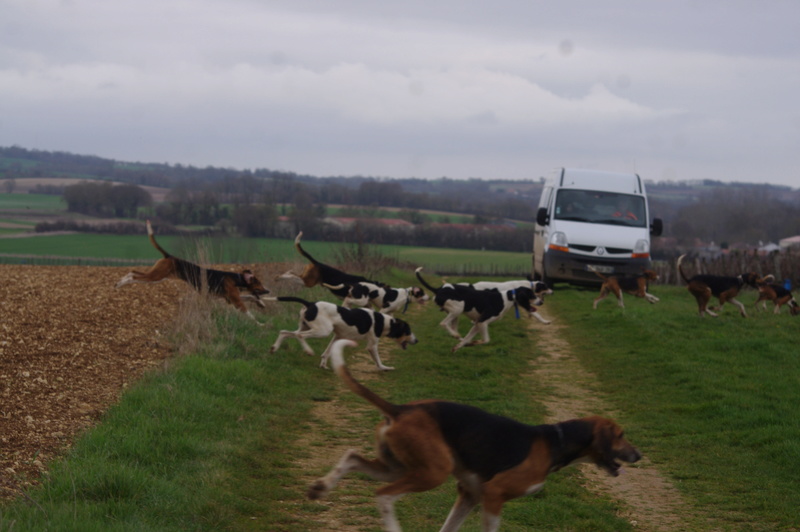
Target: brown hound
x=616 y=285
x=702 y=287
x=769 y=290
x=220 y=283
x=494 y=458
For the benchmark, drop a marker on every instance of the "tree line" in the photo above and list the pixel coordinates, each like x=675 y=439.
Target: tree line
x=272 y=203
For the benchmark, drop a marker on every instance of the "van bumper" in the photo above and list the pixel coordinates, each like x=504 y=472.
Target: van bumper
x=574 y=268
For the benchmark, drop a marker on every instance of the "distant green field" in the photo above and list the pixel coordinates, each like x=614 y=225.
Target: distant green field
x=35 y=202
x=219 y=250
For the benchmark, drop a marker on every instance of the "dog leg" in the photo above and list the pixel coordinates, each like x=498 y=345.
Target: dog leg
x=651 y=298
x=388 y=515
x=372 y=349
x=351 y=461
x=539 y=317
x=291 y=334
x=602 y=296
x=461 y=509
x=161 y=270
x=738 y=304
x=323 y=360
x=619 y=299
x=448 y=324
x=300 y=335
x=482 y=327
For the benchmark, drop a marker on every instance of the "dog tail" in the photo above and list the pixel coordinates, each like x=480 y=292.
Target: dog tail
x=151 y=235
x=680 y=268
x=337 y=358
x=301 y=250
x=600 y=275
x=290 y=299
x=421 y=280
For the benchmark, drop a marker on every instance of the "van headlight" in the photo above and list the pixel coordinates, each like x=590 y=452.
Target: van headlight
x=641 y=250
x=559 y=242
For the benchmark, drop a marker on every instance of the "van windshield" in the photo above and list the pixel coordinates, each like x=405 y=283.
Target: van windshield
x=597 y=207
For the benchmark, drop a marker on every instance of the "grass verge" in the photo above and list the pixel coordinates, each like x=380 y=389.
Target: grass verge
x=210 y=443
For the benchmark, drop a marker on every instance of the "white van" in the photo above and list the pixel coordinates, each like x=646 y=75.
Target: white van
x=592 y=220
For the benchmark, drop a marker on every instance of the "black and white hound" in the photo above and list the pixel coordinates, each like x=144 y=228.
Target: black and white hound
x=382 y=297
x=321 y=319
x=539 y=288
x=482 y=307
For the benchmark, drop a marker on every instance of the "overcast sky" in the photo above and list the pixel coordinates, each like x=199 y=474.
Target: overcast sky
x=674 y=90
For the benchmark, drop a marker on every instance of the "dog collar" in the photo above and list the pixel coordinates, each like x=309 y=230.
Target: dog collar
x=560 y=434
x=516 y=306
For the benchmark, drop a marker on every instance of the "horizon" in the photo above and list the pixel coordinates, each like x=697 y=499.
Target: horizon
x=673 y=91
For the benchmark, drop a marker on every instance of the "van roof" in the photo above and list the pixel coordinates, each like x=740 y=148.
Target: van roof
x=599 y=180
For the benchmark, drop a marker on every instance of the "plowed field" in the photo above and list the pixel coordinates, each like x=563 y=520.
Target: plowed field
x=69 y=345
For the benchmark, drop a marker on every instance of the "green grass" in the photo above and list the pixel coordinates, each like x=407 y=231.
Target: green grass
x=211 y=443
x=714 y=400
x=248 y=250
x=34 y=202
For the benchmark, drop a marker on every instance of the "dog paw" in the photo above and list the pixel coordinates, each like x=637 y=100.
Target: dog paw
x=318 y=490
x=385 y=368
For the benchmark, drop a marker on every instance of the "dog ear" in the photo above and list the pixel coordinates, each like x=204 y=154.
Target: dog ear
x=603 y=446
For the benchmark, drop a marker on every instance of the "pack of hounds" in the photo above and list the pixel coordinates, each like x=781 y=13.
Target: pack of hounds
x=420 y=444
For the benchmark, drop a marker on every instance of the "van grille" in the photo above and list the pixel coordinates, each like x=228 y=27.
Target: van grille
x=579 y=247
x=590 y=249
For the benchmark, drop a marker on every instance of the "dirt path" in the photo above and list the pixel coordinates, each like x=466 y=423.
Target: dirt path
x=331 y=437
x=650 y=502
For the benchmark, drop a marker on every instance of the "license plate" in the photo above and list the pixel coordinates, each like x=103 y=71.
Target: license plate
x=601 y=269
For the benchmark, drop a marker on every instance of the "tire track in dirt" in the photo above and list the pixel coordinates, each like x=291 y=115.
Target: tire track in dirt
x=651 y=502
x=333 y=434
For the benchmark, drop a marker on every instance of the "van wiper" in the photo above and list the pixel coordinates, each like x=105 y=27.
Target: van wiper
x=574 y=218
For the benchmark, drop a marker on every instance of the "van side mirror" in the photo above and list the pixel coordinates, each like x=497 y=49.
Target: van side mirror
x=541 y=216
x=657 y=227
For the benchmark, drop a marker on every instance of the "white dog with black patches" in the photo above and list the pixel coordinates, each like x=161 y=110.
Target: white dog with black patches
x=384 y=298
x=482 y=307
x=539 y=288
x=321 y=319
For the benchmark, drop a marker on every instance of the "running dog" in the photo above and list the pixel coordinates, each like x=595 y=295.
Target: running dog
x=218 y=282
x=768 y=290
x=317 y=273
x=320 y=319
x=616 y=285
x=494 y=458
x=481 y=306
x=704 y=286
x=384 y=298
x=539 y=288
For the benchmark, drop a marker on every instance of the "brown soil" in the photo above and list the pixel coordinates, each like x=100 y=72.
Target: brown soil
x=69 y=345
